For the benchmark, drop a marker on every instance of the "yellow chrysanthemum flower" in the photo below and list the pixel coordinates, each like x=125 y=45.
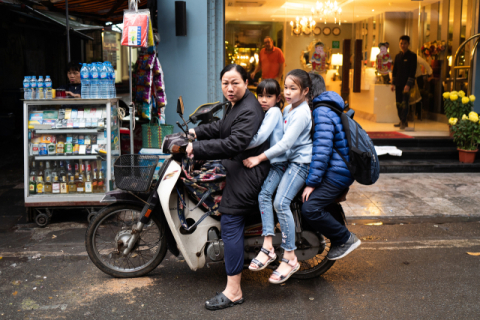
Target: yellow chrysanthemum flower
x=453 y=96
x=461 y=93
x=446 y=95
x=465 y=100
x=452 y=121
x=453 y=92
x=472 y=98
x=464 y=117
x=473 y=116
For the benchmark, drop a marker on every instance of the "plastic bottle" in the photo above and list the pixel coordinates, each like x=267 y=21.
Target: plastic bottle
x=40 y=88
x=27 y=91
x=85 y=80
x=104 y=82
x=94 y=82
x=48 y=88
x=113 y=90
x=33 y=86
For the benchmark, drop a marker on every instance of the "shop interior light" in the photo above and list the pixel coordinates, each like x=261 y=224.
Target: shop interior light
x=373 y=53
x=337 y=59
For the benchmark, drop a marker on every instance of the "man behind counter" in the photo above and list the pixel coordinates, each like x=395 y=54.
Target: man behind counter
x=74 y=87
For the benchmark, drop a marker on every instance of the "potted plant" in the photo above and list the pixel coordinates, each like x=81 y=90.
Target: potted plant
x=456 y=105
x=466 y=134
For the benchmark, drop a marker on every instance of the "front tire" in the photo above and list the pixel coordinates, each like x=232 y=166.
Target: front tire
x=116 y=220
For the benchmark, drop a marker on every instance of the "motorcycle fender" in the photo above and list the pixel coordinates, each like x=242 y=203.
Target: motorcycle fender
x=121 y=196
x=191 y=245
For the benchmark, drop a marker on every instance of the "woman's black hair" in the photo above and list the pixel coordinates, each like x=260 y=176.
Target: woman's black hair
x=318 y=84
x=270 y=86
x=302 y=79
x=74 y=66
x=237 y=68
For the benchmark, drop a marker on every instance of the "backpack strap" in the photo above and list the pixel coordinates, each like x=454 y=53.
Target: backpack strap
x=343 y=158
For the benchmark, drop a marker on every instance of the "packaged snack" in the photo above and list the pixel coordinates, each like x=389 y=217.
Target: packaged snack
x=81 y=139
x=51 y=122
x=144 y=77
x=94 y=139
x=50 y=114
x=76 y=123
x=89 y=149
x=64 y=123
x=82 y=123
x=61 y=114
x=68 y=113
x=76 y=148
x=87 y=139
x=69 y=138
x=146 y=110
x=74 y=114
x=143 y=94
x=36 y=117
x=70 y=123
x=146 y=61
x=135 y=28
x=157 y=68
x=74 y=139
x=82 y=149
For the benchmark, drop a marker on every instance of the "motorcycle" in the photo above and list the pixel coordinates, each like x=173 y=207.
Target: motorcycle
x=130 y=236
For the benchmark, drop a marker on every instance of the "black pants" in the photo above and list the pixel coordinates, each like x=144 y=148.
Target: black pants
x=233 y=227
x=400 y=98
x=322 y=221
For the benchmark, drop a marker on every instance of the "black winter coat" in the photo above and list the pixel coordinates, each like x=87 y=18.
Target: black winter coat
x=227 y=139
x=404 y=69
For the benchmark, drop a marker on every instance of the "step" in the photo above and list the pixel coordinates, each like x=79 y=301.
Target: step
x=425 y=166
x=420 y=142
x=424 y=153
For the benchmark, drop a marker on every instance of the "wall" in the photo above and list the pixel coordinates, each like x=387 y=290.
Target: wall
x=294 y=45
x=394 y=29
x=184 y=59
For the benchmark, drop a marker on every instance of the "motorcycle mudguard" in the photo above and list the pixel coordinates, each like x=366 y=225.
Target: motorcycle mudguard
x=122 y=196
x=191 y=244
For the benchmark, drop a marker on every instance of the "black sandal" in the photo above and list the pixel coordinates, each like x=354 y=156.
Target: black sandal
x=220 y=301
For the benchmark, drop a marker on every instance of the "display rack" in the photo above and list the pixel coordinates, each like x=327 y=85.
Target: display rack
x=42 y=204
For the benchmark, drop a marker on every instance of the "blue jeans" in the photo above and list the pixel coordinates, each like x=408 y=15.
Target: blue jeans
x=289 y=178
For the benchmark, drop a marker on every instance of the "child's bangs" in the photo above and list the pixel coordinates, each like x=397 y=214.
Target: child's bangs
x=267 y=87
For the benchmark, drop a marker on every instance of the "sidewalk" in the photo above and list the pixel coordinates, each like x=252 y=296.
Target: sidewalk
x=417 y=194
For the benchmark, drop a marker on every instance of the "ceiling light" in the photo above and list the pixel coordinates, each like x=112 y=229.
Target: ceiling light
x=373 y=9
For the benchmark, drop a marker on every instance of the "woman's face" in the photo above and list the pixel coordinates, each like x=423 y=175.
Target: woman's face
x=233 y=86
x=73 y=76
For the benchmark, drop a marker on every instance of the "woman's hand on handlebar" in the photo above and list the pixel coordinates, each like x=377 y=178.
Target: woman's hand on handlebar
x=192 y=133
x=306 y=193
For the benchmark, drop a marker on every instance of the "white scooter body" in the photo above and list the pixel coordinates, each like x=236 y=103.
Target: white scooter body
x=190 y=245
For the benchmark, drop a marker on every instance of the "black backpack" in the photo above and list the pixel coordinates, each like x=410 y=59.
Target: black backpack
x=363 y=165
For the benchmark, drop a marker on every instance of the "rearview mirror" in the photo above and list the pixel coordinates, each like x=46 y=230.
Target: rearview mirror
x=180 y=107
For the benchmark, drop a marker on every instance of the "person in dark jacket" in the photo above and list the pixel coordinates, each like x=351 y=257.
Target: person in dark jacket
x=74 y=87
x=228 y=139
x=404 y=68
x=329 y=176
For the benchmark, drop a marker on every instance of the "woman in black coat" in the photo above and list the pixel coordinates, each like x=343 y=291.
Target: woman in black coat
x=227 y=139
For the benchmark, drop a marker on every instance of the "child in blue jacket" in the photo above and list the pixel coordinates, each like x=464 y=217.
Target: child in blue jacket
x=328 y=176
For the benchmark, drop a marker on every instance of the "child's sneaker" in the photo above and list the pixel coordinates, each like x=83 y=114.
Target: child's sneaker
x=338 y=252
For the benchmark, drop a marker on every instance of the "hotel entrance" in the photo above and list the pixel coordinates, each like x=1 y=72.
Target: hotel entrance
x=353 y=43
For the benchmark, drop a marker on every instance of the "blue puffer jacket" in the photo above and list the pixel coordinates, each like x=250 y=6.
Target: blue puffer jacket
x=329 y=131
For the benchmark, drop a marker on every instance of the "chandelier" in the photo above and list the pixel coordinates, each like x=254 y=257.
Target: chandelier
x=327 y=10
x=304 y=25
x=322 y=11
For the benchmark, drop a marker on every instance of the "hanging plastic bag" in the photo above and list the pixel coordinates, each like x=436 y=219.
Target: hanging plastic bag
x=136 y=28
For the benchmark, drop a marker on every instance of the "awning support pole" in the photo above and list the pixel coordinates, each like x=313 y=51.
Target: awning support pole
x=130 y=106
x=68 y=31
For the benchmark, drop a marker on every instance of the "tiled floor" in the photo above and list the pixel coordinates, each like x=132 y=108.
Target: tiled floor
x=420 y=194
x=422 y=128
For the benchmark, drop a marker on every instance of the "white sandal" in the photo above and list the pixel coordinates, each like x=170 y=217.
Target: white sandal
x=281 y=278
x=260 y=266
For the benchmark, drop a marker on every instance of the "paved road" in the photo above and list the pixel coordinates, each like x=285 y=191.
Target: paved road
x=409 y=271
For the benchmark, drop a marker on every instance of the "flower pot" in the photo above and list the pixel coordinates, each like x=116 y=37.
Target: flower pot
x=467 y=156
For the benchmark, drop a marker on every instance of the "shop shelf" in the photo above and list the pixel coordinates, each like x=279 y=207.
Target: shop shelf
x=62 y=131
x=64 y=198
x=75 y=157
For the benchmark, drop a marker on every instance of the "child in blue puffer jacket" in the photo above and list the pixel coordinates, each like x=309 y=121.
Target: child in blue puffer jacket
x=328 y=176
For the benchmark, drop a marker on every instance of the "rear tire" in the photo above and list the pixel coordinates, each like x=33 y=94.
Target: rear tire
x=316 y=266
x=102 y=258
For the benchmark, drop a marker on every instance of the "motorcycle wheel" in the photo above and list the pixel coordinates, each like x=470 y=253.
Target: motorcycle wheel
x=317 y=265
x=113 y=222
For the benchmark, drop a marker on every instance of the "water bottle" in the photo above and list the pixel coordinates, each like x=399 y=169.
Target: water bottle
x=40 y=88
x=85 y=80
x=113 y=90
x=27 y=92
x=93 y=82
x=33 y=86
x=103 y=72
x=48 y=88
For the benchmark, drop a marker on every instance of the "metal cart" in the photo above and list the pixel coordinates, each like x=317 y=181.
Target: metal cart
x=40 y=207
